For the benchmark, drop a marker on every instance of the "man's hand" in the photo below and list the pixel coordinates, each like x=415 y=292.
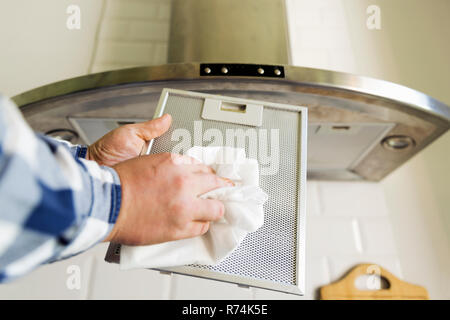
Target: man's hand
x=126 y=142
x=160 y=199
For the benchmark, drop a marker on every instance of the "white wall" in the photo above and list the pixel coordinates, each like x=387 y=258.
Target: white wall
x=413 y=41
x=37 y=48
x=412 y=49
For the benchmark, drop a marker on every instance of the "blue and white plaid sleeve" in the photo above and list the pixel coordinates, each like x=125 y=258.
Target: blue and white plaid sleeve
x=77 y=151
x=53 y=203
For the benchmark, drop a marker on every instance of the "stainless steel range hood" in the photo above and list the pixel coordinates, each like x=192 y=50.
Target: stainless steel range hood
x=359 y=128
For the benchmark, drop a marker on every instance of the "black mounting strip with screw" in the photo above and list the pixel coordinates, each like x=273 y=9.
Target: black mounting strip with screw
x=238 y=69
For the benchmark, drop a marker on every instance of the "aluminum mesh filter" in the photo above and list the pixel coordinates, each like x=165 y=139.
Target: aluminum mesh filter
x=270 y=252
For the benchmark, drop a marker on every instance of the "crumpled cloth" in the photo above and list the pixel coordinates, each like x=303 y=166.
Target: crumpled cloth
x=244 y=213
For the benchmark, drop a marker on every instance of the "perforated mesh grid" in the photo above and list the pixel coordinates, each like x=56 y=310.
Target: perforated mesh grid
x=270 y=252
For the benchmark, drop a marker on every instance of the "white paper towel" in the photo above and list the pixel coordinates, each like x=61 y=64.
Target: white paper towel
x=244 y=213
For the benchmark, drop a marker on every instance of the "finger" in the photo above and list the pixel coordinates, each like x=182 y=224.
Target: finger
x=196 y=228
x=185 y=163
x=202 y=168
x=154 y=128
x=191 y=164
x=205 y=182
x=228 y=180
x=208 y=210
x=180 y=159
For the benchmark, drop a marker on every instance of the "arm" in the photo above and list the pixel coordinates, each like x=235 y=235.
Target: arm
x=77 y=150
x=52 y=206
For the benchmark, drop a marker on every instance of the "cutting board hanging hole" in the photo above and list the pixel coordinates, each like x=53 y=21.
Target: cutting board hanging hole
x=370 y=282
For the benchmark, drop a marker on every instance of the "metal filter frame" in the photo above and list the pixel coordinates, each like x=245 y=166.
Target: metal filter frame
x=297 y=283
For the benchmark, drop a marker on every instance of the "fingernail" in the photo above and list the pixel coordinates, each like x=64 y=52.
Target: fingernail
x=164 y=116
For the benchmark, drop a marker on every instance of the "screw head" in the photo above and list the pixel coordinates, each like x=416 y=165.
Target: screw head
x=224 y=70
x=207 y=70
x=260 y=70
x=277 y=71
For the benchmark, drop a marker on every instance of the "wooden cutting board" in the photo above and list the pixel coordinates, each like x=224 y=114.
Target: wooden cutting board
x=345 y=289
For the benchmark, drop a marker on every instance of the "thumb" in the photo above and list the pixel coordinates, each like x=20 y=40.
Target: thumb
x=154 y=128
